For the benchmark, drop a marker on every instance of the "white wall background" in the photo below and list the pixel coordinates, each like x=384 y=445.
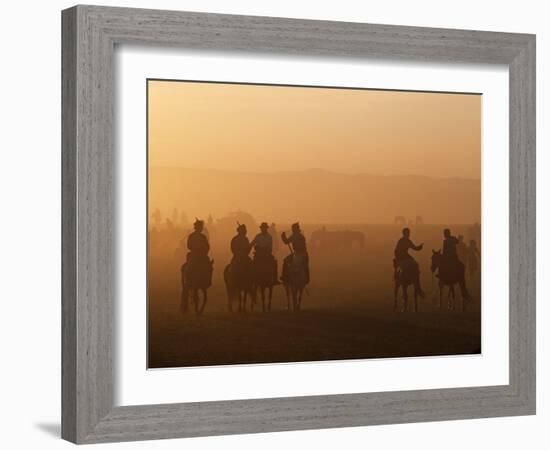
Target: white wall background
x=30 y=222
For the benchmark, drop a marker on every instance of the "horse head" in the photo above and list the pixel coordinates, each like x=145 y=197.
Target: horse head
x=436 y=260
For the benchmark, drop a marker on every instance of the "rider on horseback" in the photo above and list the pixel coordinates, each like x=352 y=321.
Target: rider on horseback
x=263 y=251
x=450 y=254
x=298 y=241
x=240 y=245
x=403 y=261
x=197 y=242
x=199 y=265
x=241 y=270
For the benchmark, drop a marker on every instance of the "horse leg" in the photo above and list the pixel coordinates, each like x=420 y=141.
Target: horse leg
x=270 y=297
x=184 y=299
x=253 y=291
x=204 y=299
x=451 y=297
x=263 y=298
x=440 y=294
x=395 y=294
x=287 y=290
x=405 y=297
x=415 y=293
x=196 y=300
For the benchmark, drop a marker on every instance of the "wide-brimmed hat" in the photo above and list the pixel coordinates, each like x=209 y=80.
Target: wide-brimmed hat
x=241 y=226
x=296 y=226
x=198 y=223
x=264 y=225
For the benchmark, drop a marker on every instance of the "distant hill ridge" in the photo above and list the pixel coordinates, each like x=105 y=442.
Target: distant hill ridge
x=315 y=195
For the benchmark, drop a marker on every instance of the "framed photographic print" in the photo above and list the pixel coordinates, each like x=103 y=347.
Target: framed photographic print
x=267 y=222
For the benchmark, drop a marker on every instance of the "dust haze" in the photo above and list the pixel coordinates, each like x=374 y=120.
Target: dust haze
x=353 y=167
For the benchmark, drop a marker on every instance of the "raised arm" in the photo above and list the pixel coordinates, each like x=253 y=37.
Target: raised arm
x=285 y=239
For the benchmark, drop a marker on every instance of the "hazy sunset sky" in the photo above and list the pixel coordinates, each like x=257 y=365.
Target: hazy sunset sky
x=257 y=128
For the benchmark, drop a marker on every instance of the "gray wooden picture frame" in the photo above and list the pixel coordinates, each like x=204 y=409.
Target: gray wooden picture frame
x=90 y=34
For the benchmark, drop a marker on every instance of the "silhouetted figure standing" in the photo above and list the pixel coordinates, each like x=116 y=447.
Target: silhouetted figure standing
x=404 y=261
x=298 y=242
x=263 y=251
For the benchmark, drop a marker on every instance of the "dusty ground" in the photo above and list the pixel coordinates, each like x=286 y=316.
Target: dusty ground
x=347 y=315
x=310 y=335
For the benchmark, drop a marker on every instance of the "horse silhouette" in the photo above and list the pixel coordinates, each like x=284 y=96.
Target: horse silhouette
x=263 y=279
x=400 y=220
x=405 y=275
x=296 y=281
x=193 y=283
x=238 y=278
x=450 y=273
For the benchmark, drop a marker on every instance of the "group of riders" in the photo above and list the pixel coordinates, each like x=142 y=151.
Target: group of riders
x=448 y=265
x=245 y=274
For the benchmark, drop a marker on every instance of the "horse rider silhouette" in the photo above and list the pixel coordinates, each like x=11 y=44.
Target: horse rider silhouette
x=198 y=246
x=450 y=253
x=240 y=275
x=240 y=245
x=196 y=272
x=298 y=242
x=450 y=270
x=404 y=261
x=263 y=251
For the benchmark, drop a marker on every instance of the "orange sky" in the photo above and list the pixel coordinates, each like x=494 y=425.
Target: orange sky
x=256 y=128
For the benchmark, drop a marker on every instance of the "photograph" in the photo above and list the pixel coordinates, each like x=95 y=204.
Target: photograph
x=311 y=223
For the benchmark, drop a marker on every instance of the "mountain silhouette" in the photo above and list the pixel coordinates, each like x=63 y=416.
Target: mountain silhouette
x=316 y=195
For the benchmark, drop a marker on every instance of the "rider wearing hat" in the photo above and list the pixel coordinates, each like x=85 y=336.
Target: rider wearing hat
x=240 y=245
x=199 y=266
x=197 y=242
x=263 y=249
x=298 y=242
